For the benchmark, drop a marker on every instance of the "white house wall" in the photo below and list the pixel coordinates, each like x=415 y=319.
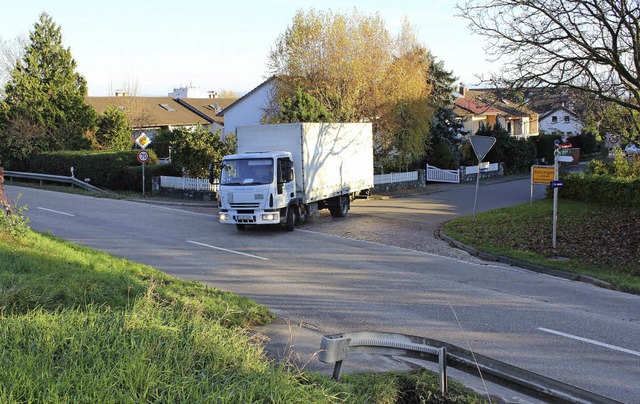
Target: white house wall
x=248 y=110
x=571 y=128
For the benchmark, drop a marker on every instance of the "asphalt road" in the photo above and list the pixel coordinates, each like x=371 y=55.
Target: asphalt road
x=570 y=331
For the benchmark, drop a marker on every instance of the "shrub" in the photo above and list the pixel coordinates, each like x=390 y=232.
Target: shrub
x=601 y=189
x=105 y=169
x=441 y=156
x=545 y=147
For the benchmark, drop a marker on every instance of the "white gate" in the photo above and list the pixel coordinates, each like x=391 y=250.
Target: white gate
x=436 y=174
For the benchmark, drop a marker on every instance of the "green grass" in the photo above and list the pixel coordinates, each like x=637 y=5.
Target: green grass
x=597 y=240
x=78 y=325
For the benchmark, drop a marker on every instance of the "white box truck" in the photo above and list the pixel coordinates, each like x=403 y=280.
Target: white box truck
x=284 y=172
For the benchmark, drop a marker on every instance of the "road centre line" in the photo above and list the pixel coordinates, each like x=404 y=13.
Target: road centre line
x=590 y=341
x=229 y=251
x=56 y=211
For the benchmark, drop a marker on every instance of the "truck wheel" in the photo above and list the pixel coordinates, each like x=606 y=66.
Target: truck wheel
x=291 y=219
x=342 y=209
x=240 y=227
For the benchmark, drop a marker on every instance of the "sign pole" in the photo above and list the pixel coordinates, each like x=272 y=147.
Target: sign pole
x=143 y=179
x=475 y=200
x=555 y=193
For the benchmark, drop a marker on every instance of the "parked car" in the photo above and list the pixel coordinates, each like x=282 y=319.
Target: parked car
x=632 y=149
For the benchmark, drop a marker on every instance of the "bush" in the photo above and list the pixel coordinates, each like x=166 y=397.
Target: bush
x=545 y=147
x=621 y=166
x=441 y=156
x=601 y=189
x=105 y=169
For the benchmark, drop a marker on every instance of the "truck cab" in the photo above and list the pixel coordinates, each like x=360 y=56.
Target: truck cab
x=258 y=188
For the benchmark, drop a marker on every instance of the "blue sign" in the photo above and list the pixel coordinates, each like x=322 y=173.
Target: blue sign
x=556 y=184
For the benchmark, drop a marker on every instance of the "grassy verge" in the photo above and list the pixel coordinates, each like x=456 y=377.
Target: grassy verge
x=591 y=239
x=78 y=325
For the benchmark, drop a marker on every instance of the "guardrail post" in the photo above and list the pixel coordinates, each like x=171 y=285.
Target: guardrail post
x=442 y=362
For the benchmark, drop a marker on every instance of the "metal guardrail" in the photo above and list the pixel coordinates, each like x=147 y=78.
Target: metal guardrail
x=53 y=178
x=334 y=350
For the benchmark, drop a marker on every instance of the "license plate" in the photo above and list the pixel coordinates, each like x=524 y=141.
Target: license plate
x=245 y=218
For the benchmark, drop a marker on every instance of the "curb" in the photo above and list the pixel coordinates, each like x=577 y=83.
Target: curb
x=439 y=233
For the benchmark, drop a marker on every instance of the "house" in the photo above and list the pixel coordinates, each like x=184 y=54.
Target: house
x=487 y=107
x=561 y=120
x=250 y=108
x=150 y=114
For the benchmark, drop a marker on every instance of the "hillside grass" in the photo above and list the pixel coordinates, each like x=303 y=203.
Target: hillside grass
x=591 y=239
x=79 y=325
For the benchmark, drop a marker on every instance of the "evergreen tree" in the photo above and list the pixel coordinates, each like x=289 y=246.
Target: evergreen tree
x=114 y=130
x=46 y=95
x=303 y=107
x=441 y=81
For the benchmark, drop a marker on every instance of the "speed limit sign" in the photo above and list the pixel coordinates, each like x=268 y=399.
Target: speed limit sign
x=143 y=156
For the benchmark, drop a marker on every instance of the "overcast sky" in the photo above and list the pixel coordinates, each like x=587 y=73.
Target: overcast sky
x=155 y=46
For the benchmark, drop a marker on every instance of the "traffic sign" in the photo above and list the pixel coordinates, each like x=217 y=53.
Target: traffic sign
x=481 y=145
x=564 y=159
x=143 y=156
x=556 y=184
x=143 y=141
x=542 y=174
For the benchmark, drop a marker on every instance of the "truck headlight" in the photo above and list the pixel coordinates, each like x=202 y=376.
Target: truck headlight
x=271 y=216
x=224 y=217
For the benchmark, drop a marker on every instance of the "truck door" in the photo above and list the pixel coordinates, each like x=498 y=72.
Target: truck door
x=286 y=179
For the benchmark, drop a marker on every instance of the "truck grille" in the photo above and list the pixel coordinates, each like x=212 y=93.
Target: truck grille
x=245 y=205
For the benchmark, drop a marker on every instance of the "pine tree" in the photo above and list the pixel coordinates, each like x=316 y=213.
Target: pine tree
x=45 y=95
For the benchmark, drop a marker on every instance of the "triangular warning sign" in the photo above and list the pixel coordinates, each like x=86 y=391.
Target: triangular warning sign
x=481 y=145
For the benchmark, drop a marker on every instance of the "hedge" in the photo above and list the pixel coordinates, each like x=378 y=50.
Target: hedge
x=601 y=189
x=104 y=169
x=133 y=178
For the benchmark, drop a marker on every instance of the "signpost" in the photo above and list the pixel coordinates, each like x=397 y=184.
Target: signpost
x=556 y=160
x=481 y=146
x=143 y=156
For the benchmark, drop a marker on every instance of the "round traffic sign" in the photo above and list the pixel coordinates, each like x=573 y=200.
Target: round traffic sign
x=143 y=156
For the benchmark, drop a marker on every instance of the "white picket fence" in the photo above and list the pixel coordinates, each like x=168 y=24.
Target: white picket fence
x=395 y=177
x=439 y=175
x=198 y=184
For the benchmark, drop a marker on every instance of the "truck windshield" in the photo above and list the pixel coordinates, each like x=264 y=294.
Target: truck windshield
x=247 y=172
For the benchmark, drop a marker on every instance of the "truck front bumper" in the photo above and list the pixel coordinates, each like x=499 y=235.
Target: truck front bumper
x=255 y=217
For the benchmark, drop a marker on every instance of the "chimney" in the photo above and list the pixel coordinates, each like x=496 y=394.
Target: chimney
x=463 y=90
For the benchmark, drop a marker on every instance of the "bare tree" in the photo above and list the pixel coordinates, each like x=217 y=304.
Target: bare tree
x=11 y=51
x=589 y=45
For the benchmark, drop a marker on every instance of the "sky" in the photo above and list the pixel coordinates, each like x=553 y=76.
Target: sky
x=152 y=47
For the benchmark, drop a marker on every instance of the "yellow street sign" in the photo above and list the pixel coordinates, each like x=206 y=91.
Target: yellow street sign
x=542 y=174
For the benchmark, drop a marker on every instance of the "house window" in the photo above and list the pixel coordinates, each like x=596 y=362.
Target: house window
x=554 y=119
x=567 y=119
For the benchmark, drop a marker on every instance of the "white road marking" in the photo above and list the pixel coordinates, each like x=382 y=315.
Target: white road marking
x=590 y=341
x=215 y=216
x=226 y=250
x=56 y=211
